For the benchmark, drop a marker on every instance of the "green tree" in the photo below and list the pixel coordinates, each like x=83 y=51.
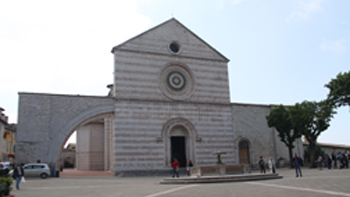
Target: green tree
x=279 y=118
x=318 y=152
x=339 y=89
x=311 y=119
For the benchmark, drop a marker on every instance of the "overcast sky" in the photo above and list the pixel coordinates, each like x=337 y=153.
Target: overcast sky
x=281 y=52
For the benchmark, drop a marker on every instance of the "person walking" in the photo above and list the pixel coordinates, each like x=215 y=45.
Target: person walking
x=272 y=166
x=262 y=165
x=18 y=173
x=176 y=167
x=297 y=163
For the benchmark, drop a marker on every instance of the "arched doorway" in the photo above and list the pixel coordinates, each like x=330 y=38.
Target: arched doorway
x=178 y=136
x=179 y=131
x=244 y=157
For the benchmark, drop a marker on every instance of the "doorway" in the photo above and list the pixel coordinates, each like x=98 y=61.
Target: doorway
x=244 y=152
x=178 y=150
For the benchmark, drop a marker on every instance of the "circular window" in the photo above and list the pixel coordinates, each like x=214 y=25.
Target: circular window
x=176 y=82
x=174 y=47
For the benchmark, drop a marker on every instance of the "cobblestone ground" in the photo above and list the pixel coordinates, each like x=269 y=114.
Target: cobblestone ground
x=313 y=183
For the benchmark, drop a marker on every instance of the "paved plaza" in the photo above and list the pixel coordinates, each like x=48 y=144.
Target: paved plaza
x=313 y=183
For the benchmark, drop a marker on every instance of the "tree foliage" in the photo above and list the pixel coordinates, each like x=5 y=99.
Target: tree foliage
x=318 y=152
x=311 y=119
x=280 y=119
x=339 y=89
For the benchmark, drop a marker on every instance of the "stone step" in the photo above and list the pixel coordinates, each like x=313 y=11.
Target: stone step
x=220 y=179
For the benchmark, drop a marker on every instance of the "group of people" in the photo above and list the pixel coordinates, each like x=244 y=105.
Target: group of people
x=271 y=164
x=176 y=167
x=297 y=162
x=340 y=160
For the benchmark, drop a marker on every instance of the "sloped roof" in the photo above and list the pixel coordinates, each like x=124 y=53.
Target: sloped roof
x=159 y=28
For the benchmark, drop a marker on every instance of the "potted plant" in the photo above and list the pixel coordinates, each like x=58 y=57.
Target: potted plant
x=5 y=182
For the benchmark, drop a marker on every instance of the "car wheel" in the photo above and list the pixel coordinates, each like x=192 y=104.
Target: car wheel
x=43 y=175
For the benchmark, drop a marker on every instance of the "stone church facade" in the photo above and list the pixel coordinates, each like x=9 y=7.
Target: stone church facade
x=170 y=99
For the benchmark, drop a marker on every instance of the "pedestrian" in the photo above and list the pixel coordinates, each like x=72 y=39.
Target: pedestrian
x=345 y=161
x=334 y=160
x=18 y=173
x=189 y=165
x=329 y=162
x=176 y=167
x=262 y=165
x=272 y=166
x=339 y=159
x=297 y=163
x=320 y=162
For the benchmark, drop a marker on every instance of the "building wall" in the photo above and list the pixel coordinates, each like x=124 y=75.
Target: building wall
x=11 y=142
x=3 y=122
x=250 y=123
x=90 y=146
x=137 y=75
x=7 y=140
x=45 y=122
x=140 y=62
x=108 y=142
x=141 y=142
x=148 y=104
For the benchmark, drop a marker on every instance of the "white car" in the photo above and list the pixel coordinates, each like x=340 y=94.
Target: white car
x=36 y=170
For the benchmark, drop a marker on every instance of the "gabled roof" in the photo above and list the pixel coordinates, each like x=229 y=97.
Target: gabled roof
x=163 y=30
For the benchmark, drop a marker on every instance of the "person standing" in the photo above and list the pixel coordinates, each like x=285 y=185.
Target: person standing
x=272 y=166
x=176 y=167
x=297 y=163
x=262 y=165
x=189 y=165
x=334 y=160
x=339 y=159
x=18 y=173
x=320 y=162
x=329 y=162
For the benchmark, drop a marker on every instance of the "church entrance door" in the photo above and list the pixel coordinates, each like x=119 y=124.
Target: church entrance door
x=178 y=150
x=244 y=152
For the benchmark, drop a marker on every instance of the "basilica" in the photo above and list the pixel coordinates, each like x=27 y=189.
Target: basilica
x=169 y=98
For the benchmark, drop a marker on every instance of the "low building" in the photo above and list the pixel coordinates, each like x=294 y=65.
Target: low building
x=68 y=156
x=330 y=148
x=8 y=140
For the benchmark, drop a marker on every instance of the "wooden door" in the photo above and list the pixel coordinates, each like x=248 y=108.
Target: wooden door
x=244 y=152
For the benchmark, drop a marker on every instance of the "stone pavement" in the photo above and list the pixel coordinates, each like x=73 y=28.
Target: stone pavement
x=313 y=183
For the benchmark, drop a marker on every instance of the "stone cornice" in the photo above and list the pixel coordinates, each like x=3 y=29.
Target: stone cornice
x=171 y=102
x=255 y=105
x=64 y=95
x=169 y=55
x=151 y=100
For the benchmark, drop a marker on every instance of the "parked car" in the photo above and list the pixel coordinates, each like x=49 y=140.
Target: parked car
x=36 y=170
